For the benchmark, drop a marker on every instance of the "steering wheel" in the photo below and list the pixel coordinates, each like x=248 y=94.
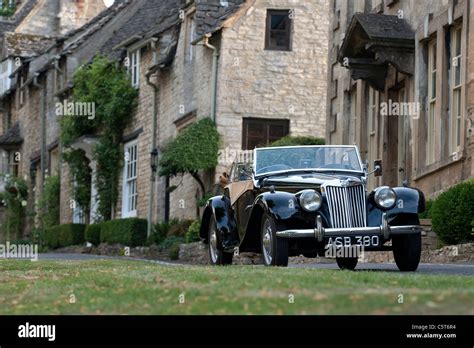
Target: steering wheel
x=274 y=168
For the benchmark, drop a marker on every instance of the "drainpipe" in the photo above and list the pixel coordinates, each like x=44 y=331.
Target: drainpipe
x=215 y=58
x=155 y=89
x=43 y=129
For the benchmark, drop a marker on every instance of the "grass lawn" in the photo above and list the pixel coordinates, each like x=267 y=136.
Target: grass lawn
x=128 y=287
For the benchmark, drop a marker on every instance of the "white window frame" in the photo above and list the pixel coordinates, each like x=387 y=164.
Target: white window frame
x=134 y=69
x=456 y=109
x=353 y=116
x=432 y=128
x=130 y=180
x=6 y=69
x=372 y=114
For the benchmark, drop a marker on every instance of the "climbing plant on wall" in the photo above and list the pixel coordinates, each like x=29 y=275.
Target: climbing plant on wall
x=194 y=150
x=107 y=85
x=14 y=199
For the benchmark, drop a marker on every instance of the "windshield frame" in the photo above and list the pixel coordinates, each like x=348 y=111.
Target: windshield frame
x=307 y=170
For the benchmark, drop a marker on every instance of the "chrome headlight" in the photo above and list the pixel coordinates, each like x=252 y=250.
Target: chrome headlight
x=310 y=200
x=385 y=197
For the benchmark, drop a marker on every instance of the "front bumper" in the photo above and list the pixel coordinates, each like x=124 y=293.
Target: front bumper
x=319 y=232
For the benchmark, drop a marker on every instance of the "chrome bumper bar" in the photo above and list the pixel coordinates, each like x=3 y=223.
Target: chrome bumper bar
x=319 y=232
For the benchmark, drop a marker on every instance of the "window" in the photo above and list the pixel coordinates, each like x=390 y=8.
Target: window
x=353 y=116
x=78 y=214
x=22 y=90
x=261 y=132
x=372 y=154
x=130 y=171
x=60 y=76
x=278 y=33
x=432 y=122
x=6 y=68
x=134 y=58
x=456 y=90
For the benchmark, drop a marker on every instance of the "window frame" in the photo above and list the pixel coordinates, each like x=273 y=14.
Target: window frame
x=134 y=57
x=456 y=91
x=129 y=203
x=267 y=122
x=431 y=126
x=288 y=31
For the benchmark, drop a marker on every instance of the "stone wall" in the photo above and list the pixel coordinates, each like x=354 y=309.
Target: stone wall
x=260 y=83
x=54 y=18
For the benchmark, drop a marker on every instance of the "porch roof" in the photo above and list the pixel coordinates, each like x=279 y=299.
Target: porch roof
x=12 y=137
x=374 y=41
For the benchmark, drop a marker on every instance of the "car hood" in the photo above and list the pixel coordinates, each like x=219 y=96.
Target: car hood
x=310 y=179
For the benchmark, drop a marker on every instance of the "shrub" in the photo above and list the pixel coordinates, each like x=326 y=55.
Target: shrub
x=129 y=232
x=427 y=213
x=160 y=231
x=93 y=234
x=172 y=244
x=192 y=235
x=170 y=241
x=174 y=252
x=63 y=236
x=179 y=228
x=48 y=204
x=296 y=141
x=453 y=212
x=14 y=199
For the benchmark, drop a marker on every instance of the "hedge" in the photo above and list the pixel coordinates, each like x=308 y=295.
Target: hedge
x=452 y=214
x=63 y=235
x=93 y=234
x=129 y=232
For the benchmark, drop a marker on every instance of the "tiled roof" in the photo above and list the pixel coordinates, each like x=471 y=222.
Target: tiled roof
x=210 y=14
x=25 y=45
x=12 y=136
x=379 y=26
x=151 y=17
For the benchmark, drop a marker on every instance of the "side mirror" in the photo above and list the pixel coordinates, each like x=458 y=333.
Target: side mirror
x=377 y=168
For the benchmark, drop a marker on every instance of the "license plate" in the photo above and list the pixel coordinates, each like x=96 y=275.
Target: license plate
x=347 y=241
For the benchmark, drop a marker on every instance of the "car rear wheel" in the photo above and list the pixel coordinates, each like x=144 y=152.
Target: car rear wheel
x=347 y=263
x=274 y=249
x=407 y=251
x=216 y=255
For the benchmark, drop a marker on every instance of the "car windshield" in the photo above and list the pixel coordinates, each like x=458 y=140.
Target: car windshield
x=317 y=158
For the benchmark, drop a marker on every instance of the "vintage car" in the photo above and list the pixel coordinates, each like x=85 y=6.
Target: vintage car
x=305 y=200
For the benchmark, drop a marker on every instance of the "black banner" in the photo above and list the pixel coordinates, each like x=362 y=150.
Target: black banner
x=137 y=331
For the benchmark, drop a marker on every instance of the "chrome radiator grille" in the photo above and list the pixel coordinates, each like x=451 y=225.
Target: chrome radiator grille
x=347 y=206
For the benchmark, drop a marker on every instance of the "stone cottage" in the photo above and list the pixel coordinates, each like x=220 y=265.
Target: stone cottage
x=400 y=88
x=258 y=68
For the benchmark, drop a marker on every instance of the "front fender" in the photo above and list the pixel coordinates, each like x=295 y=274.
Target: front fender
x=220 y=209
x=410 y=203
x=280 y=205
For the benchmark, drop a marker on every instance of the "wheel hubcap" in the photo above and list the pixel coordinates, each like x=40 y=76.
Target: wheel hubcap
x=213 y=243
x=267 y=240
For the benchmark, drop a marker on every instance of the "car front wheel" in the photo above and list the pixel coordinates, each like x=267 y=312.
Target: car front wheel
x=407 y=251
x=216 y=255
x=274 y=249
x=347 y=263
